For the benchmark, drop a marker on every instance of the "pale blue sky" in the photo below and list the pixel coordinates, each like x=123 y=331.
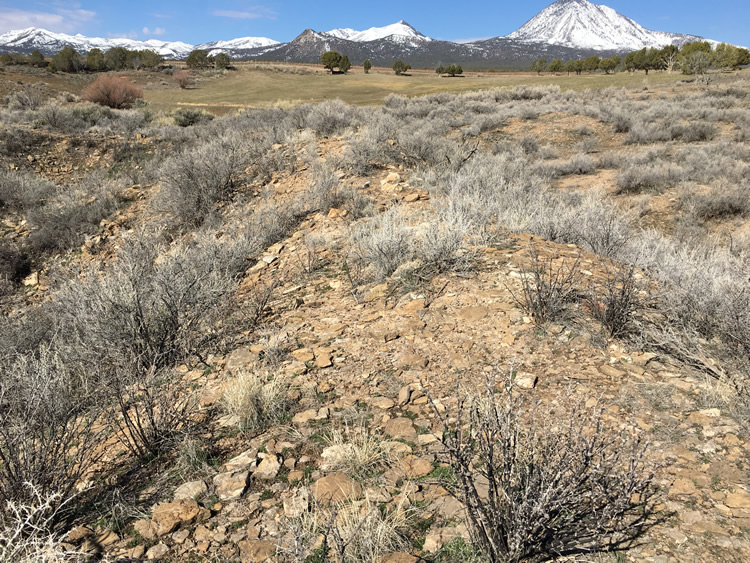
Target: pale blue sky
x=196 y=21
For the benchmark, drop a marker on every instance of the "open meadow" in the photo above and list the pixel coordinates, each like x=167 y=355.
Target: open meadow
x=258 y=84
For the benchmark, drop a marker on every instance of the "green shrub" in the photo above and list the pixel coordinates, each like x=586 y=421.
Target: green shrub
x=186 y=117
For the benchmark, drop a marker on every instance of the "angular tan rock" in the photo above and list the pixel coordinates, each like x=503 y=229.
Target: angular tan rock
x=415 y=467
x=157 y=552
x=526 y=380
x=404 y=395
x=169 y=516
x=738 y=499
x=268 y=468
x=190 y=490
x=302 y=418
x=256 y=551
x=336 y=487
x=383 y=403
x=304 y=355
x=682 y=487
x=231 y=485
x=297 y=504
x=438 y=537
x=245 y=460
x=401 y=428
x=146 y=529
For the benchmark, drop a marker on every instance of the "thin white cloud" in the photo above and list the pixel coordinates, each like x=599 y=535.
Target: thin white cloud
x=155 y=31
x=128 y=35
x=63 y=21
x=252 y=13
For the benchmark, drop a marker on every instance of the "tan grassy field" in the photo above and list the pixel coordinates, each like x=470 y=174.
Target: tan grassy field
x=250 y=87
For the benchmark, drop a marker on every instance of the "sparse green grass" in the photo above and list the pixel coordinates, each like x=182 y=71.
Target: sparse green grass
x=251 y=87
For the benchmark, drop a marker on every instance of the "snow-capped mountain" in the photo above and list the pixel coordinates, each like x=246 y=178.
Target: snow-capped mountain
x=567 y=29
x=582 y=24
x=49 y=43
x=399 y=29
x=239 y=44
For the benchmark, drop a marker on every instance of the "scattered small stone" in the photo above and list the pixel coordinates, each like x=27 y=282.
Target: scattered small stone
x=383 y=403
x=191 y=490
x=302 y=418
x=157 y=552
x=336 y=487
x=268 y=468
x=401 y=428
x=415 y=467
x=526 y=380
x=231 y=485
x=403 y=395
x=169 y=516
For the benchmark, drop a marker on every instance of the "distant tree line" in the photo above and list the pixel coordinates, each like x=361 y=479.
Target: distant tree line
x=579 y=66
x=34 y=59
x=200 y=59
x=96 y=60
x=340 y=64
x=116 y=58
x=693 y=58
x=451 y=70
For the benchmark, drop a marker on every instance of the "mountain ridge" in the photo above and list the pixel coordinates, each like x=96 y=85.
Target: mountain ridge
x=565 y=29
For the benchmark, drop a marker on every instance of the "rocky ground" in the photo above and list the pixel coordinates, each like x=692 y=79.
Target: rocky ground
x=366 y=361
x=363 y=362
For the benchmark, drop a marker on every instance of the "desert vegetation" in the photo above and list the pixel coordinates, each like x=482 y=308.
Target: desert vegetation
x=271 y=311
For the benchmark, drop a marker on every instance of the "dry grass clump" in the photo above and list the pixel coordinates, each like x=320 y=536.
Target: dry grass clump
x=384 y=242
x=442 y=243
x=326 y=191
x=537 y=487
x=24 y=99
x=257 y=401
x=355 y=451
x=349 y=531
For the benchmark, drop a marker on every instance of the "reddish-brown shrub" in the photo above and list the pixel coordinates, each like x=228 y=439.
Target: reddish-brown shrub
x=182 y=77
x=112 y=91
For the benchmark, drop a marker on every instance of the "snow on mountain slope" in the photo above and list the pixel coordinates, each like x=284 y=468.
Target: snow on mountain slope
x=399 y=29
x=49 y=43
x=241 y=43
x=583 y=24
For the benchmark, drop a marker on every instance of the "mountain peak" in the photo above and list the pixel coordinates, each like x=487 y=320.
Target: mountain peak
x=585 y=25
x=400 y=29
